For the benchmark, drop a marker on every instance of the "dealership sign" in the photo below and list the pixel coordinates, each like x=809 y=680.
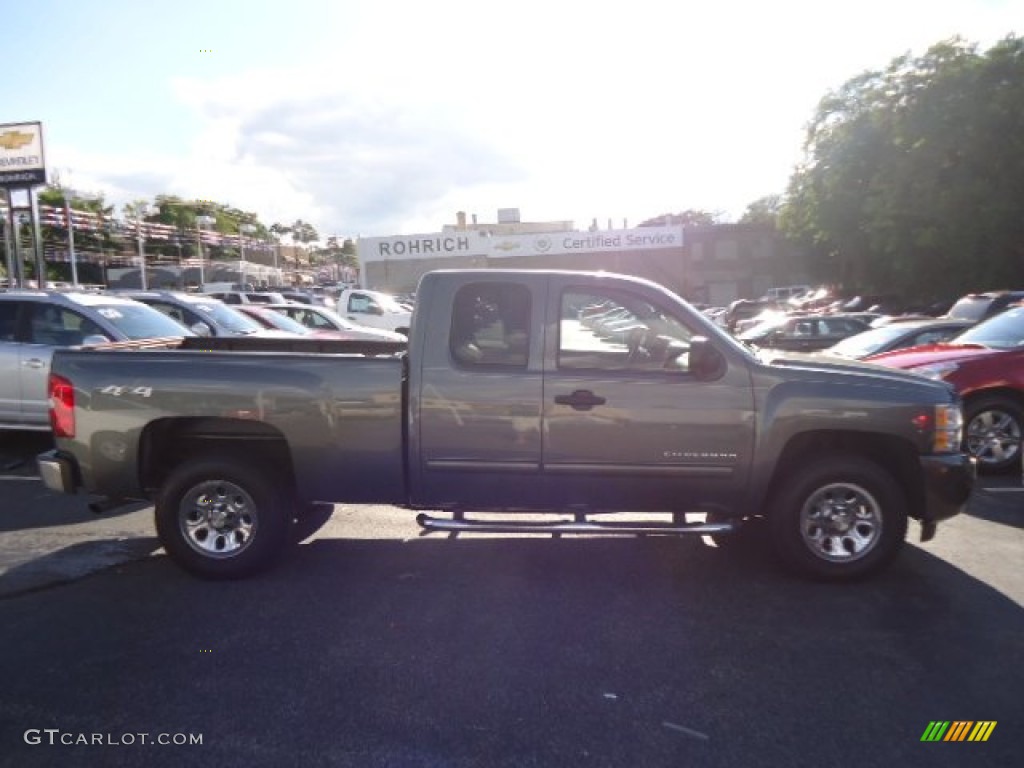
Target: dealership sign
x=467 y=243
x=21 y=155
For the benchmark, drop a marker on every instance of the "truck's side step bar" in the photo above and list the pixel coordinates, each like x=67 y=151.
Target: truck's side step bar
x=459 y=524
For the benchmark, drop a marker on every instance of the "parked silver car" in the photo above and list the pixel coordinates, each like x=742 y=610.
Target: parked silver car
x=34 y=323
x=200 y=312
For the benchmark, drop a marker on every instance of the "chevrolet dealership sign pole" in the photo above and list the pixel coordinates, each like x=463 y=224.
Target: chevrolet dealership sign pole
x=22 y=166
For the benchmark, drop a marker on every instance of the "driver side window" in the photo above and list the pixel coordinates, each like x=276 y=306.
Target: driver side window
x=619 y=332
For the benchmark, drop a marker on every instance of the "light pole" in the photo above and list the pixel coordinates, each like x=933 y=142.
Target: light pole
x=142 y=253
x=243 y=229
x=208 y=221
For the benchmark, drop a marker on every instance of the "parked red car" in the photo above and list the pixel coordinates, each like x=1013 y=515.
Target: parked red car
x=986 y=366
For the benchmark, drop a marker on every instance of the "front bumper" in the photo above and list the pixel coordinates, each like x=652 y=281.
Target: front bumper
x=59 y=471
x=948 y=482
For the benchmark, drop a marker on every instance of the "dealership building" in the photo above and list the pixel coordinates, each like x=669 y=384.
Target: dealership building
x=711 y=264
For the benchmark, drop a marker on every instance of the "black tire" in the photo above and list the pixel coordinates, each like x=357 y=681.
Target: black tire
x=840 y=518
x=993 y=427
x=222 y=518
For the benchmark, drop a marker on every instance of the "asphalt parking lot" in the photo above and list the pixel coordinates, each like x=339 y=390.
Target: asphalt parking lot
x=372 y=646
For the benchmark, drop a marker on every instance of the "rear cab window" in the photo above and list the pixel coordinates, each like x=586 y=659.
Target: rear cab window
x=491 y=325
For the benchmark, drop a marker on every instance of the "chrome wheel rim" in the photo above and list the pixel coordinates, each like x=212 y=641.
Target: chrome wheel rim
x=218 y=518
x=993 y=437
x=841 y=522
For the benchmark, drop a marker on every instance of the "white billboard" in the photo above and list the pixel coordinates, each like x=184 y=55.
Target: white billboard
x=432 y=246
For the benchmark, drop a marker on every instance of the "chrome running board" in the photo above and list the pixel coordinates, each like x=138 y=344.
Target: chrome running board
x=462 y=525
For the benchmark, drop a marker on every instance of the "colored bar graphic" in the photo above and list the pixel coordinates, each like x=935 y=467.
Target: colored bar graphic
x=982 y=730
x=958 y=730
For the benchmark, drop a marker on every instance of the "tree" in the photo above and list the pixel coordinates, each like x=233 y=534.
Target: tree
x=304 y=234
x=688 y=218
x=763 y=211
x=86 y=238
x=912 y=176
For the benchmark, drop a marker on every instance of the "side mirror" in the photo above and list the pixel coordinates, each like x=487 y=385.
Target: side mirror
x=373 y=309
x=201 y=329
x=706 y=362
x=93 y=339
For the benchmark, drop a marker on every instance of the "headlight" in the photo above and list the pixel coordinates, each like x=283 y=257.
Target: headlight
x=935 y=370
x=949 y=424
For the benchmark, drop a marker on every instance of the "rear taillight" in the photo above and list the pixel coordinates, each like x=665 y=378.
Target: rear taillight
x=62 y=406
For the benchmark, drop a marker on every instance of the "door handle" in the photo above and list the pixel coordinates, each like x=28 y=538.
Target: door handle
x=34 y=362
x=580 y=400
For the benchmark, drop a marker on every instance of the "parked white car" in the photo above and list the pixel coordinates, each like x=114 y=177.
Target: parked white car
x=325 y=319
x=374 y=309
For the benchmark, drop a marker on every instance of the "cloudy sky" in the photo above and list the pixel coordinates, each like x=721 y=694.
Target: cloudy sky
x=387 y=116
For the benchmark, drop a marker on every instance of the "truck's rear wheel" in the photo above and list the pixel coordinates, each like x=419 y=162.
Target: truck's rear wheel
x=840 y=518
x=222 y=519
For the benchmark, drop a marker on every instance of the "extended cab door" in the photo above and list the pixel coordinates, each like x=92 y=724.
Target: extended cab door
x=476 y=436
x=627 y=425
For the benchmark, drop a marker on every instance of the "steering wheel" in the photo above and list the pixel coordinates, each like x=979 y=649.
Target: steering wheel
x=635 y=345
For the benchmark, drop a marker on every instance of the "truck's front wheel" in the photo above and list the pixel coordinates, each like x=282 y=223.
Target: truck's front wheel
x=840 y=518
x=222 y=519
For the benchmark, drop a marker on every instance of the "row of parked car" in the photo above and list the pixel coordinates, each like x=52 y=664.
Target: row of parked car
x=35 y=323
x=977 y=347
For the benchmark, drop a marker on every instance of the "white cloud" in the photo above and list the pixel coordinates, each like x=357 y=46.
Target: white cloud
x=565 y=110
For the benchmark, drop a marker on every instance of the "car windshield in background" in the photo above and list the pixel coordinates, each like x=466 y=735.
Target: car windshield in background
x=971 y=308
x=1004 y=331
x=228 y=319
x=138 y=321
x=761 y=329
x=284 y=323
x=389 y=304
x=868 y=342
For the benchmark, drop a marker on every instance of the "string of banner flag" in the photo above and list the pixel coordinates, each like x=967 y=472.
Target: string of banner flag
x=89 y=221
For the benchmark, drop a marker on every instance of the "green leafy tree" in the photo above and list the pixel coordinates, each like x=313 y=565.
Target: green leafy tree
x=688 y=218
x=913 y=176
x=304 y=233
x=86 y=240
x=763 y=211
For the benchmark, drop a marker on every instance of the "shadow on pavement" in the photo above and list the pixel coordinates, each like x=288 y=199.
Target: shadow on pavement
x=18 y=451
x=73 y=562
x=42 y=508
x=1005 y=508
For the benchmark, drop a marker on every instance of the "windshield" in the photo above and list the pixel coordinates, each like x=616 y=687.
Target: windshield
x=1004 y=331
x=762 y=329
x=283 y=322
x=863 y=344
x=227 y=319
x=971 y=308
x=139 y=321
x=389 y=304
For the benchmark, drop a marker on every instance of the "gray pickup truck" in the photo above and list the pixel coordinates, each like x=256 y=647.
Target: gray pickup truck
x=520 y=391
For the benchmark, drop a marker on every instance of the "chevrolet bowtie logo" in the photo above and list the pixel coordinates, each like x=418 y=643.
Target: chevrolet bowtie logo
x=506 y=246
x=15 y=139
